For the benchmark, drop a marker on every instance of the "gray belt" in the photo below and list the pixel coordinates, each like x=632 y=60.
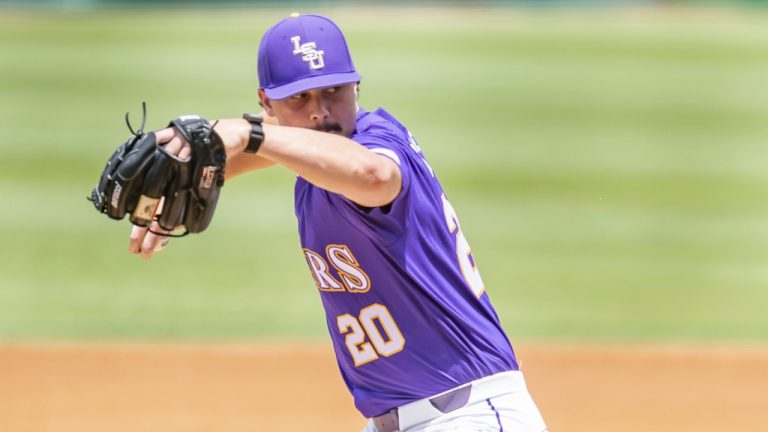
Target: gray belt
x=453 y=400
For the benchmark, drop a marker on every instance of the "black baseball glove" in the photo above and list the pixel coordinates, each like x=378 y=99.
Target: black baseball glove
x=141 y=175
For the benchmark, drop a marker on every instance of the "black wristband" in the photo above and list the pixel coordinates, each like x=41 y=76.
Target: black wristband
x=257 y=132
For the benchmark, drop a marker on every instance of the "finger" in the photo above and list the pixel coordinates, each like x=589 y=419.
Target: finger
x=165 y=135
x=185 y=153
x=151 y=240
x=164 y=240
x=174 y=146
x=137 y=237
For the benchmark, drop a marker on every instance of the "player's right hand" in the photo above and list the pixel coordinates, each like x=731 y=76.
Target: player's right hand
x=143 y=242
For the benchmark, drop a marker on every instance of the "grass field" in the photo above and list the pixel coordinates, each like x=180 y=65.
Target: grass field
x=610 y=169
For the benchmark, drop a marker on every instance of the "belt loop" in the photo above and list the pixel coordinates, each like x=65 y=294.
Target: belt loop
x=387 y=422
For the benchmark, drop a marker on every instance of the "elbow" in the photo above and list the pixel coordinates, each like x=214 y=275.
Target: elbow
x=379 y=175
x=380 y=183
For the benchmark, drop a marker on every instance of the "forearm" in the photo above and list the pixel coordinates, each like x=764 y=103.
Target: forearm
x=235 y=133
x=243 y=162
x=329 y=161
x=334 y=163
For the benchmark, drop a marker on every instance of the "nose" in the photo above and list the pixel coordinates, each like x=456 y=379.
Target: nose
x=318 y=109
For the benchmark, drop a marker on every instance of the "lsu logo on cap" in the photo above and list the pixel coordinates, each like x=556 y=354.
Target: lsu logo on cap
x=309 y=53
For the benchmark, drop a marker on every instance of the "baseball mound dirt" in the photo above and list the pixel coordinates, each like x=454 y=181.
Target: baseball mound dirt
x=282 y=387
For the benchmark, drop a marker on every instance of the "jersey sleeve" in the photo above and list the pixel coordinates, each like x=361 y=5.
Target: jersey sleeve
x=386 y=222
x=391 y=144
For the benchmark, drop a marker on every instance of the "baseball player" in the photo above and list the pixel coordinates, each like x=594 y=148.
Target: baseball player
x=417 y=340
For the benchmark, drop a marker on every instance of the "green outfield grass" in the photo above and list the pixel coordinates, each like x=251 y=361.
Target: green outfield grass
x=610 y=169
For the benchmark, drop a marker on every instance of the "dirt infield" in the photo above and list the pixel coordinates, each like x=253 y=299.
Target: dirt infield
x=190 y=388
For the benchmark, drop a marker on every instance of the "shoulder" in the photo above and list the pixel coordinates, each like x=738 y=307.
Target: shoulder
x=379 y=125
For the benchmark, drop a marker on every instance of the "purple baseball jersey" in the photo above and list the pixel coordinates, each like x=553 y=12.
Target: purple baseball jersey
x=404 y=302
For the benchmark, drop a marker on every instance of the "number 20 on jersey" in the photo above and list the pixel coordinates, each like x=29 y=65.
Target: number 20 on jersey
x=364 y=339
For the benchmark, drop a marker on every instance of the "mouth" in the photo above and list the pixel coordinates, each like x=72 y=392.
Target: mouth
x=330 y=128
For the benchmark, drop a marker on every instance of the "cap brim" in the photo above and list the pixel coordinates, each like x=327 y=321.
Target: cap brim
x=320 y=81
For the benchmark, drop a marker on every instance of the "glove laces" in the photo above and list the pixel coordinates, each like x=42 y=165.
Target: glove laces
x=143 y=120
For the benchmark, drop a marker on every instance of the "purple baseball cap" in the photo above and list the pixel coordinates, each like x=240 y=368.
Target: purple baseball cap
x=304 y=52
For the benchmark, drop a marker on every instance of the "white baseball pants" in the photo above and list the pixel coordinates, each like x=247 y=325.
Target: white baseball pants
x=498 y=403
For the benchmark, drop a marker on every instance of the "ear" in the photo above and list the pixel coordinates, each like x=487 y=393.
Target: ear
x=265 y=102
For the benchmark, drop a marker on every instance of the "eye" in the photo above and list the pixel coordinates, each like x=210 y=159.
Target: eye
x=299 y=96
x=331 y=90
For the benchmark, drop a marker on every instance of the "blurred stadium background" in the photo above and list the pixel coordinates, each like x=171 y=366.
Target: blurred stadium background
x=607 y=158
x=608 y=161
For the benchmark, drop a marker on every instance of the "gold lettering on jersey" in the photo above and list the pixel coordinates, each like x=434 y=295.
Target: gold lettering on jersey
x=323 y=278
x=353 y=277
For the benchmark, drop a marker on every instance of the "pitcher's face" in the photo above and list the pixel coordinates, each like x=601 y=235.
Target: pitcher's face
x=328 y=109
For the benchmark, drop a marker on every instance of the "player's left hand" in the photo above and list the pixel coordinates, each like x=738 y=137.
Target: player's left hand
x=234 y=135
x=164 y=180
